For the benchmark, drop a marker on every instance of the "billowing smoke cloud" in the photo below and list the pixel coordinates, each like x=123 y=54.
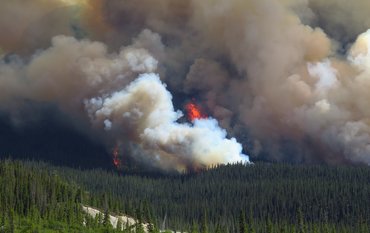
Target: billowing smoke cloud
x=29 y=25
x=287 y=78
x=120 y=95
x=144 y=111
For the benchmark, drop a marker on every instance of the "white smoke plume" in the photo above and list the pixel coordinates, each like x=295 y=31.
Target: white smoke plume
x=144 y=111
x=289 y=78
x=121 y=95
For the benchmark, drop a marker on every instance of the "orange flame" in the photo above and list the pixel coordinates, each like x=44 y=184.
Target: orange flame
x=116 y=160
x=194 y=112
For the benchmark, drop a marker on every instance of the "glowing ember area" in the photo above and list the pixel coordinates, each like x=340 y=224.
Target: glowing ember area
x=194 y=112
x=116 y=160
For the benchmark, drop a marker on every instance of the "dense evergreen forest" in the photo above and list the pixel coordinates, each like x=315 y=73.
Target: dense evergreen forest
x=235 y=198
x=36 y=201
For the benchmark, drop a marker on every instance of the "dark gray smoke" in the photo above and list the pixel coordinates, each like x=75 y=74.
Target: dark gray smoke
x=287 y=78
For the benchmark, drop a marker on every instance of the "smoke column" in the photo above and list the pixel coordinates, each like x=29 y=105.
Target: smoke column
x=122 y=97
x=288 y=79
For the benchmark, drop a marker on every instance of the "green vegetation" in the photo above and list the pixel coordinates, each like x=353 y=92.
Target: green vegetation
x=275 y=195
x=32 y=200
x=233 y=198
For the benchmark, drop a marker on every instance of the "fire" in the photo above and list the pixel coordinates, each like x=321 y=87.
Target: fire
x=116 y=160
x=194 y=112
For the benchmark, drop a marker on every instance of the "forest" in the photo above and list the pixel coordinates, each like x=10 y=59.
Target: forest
x=231 y=198
x=36 y=201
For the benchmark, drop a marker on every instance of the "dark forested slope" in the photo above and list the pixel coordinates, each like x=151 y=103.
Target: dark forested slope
x=34 y=200
x=264 y=193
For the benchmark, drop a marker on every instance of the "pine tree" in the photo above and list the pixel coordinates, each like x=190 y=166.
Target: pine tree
x=119 y=225
x=11 y=221
x=99 y=219
x=152 y=228
x=270 y=227
x=194 y=228
x=204 y=223
x=139 y=215
x=301 y=224
x=106 y=219
x=251 y=222
x=139 y=228
x=2 y=224
x=220 y=229
x=242 y=223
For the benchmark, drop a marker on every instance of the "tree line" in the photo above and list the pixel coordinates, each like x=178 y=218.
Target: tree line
x=262 y=197
x=35 y=200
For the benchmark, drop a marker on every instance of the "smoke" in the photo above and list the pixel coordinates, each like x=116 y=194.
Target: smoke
x=29 y=25
x=122 y=97
x=289 y=79
x=144 y=111
x=342 y=20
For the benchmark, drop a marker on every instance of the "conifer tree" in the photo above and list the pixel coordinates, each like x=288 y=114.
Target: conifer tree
x=11 y=221
x=242 y=223
x=269 y=226
x=204 y=223
x=194 y=228
x=119 y=225
x=106 y=219
x=301 y=224
x=2 y=224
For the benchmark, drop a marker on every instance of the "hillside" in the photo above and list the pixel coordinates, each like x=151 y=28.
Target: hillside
x=35 y=200
x=263 y=195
